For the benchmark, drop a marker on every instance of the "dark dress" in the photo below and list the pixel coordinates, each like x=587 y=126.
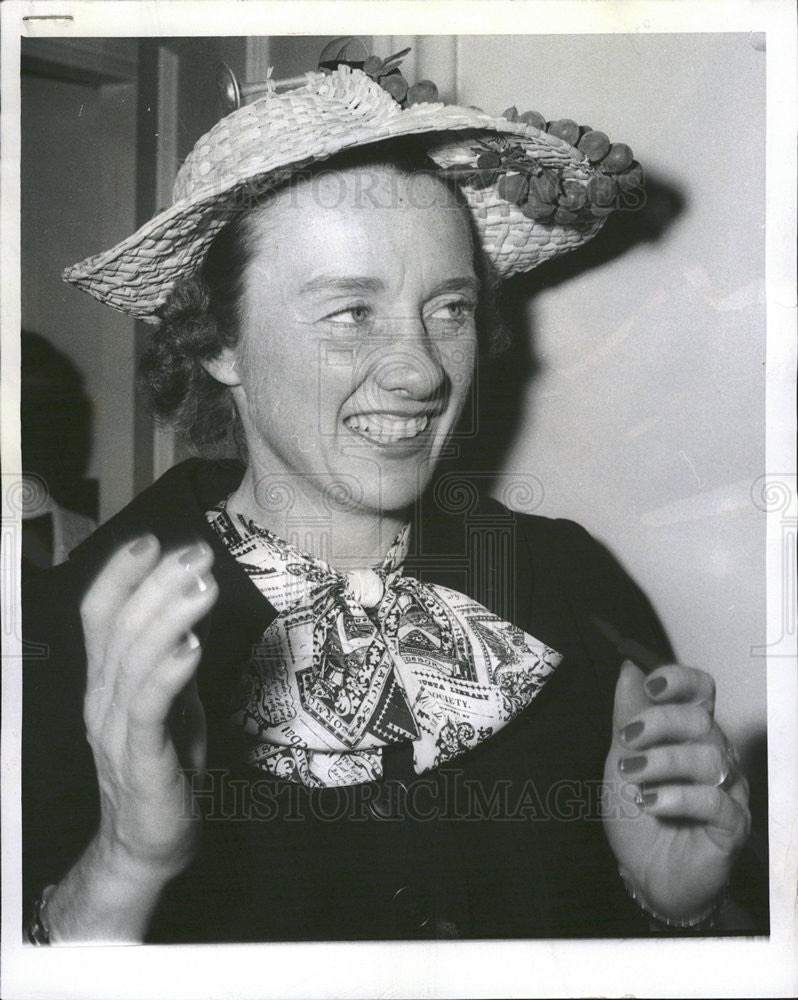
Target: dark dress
x=505 y=841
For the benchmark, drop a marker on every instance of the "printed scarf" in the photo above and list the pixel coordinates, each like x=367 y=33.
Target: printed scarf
x=358 y=661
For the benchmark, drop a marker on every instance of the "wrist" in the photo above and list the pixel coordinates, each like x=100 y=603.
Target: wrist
x=123 y=867
x=703 y=919
x=107 y=896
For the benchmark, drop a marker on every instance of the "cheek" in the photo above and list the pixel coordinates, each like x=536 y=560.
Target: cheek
x=269 y=371
x=293 y=391
x=458 y=358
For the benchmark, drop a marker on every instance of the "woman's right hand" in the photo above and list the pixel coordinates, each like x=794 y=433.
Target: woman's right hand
x=142 y=655
x=145 y=724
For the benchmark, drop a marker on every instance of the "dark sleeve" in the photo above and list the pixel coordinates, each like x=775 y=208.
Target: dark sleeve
x=601 y=588
x=592 y=583
x=576 y=581
x=59 y=788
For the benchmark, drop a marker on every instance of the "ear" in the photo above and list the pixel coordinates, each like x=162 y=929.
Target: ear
x=224 y=367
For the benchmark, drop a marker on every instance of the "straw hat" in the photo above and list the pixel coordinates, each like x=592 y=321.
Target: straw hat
x=265 y=142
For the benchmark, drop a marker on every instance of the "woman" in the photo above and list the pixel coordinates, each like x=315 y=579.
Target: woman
x=323 y=696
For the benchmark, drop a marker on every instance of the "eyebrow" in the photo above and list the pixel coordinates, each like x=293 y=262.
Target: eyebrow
x=365 y=285
x=336 y=283
x=464 y=284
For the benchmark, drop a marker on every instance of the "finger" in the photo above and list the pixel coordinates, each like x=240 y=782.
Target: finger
x=164 y=635
x=701 y=763
x=630 y=696
x=178 y=577
x=138 y=729
x=151 y=623
x=738 y=788
x=666 y=724
x=154 y=698
x=188 y=726
x=705 y=804
x=112 y=586
x=677 y=683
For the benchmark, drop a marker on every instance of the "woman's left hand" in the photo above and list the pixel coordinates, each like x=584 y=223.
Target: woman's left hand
x=679 y=846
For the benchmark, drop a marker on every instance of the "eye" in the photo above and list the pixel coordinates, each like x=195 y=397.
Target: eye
x=455 y=311
x=358 y=315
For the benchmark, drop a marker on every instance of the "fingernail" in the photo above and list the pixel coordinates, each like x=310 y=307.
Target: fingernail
x=191 y=556
x=141 y=545
x=188 y=645
x=196 y=585
x=648 y=798
x=632 y=765
x=631 y=732
x=656 y=686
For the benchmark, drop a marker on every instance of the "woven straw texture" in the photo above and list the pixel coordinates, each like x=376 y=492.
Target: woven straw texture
x=260 y=145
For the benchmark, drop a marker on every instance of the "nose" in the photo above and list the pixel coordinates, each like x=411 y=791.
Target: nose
x=408 y=360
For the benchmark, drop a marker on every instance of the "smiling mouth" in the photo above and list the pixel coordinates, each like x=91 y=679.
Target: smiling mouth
x=384 y=428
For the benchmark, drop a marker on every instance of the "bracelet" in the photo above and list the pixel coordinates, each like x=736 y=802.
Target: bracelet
x=38 y=929
x=705 y=921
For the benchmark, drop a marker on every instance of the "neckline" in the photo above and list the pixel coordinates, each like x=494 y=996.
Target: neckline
x=248 y=530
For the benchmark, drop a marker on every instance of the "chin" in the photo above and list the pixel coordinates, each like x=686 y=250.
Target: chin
x=390 y=489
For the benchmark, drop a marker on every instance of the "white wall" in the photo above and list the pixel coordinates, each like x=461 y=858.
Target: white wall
x=78 y=196
x=646 y=420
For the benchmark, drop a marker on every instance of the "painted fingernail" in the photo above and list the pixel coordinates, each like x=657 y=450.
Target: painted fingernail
x=656 y=686
x=648 y=799
x=632 y=765
x=631 y=732
x=141 y=545
x=191 y=556
x=196 y=585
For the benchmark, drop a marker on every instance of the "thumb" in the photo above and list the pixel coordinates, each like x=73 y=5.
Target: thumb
x=188 y=727
x=630 y=695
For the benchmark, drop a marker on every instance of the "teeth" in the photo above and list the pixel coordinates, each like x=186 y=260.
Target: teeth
x=385 y=428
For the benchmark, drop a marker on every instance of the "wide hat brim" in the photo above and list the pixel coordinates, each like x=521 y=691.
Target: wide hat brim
x=259 y=146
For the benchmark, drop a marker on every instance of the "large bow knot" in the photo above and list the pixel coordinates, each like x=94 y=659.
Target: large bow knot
x=356 y=662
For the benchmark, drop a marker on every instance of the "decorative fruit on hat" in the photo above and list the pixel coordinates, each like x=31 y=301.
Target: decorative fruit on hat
x=565 y=128
x=349 y=50
x=546 y=195
x=532 y=118
x=422 y=92
x=386 y=72
x=573 y=196
x=632 y=179
x=535 y=189
x=595 y=145
x=572 y=201
x=618 y=159
x=549 y=197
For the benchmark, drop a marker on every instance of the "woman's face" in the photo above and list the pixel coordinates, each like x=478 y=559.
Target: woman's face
x=358 y=337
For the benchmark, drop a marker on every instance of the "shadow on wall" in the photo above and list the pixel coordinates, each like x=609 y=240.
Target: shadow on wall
x=664 y=203
x=56 y=416
x=503 y=381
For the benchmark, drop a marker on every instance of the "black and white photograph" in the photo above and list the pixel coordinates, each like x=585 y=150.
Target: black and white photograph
x=398 y=499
